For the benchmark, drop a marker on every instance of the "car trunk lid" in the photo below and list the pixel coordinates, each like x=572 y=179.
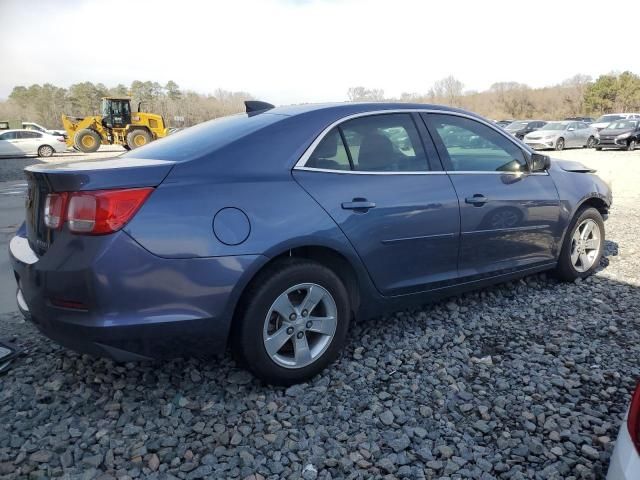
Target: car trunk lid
x=85 y=175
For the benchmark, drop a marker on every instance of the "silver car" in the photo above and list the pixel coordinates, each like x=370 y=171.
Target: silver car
x=561 y=135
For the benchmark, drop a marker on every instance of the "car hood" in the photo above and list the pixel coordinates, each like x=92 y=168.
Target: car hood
x=572 y=166
x=615 y=131
x=599 y=125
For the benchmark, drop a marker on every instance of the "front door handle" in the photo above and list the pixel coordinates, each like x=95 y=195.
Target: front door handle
x=359 y=205
x=477 y=200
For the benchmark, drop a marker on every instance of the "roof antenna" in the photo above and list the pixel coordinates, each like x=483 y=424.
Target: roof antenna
x=257 y=106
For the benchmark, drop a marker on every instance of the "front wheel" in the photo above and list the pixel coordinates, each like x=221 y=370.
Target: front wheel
x=294 y=322
x=583 y=245
x=138 y=138
x=631 y=146
x=591 y=143
x=560 y=144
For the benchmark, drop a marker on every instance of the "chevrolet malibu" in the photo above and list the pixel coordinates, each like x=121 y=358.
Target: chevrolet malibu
x=270 y=231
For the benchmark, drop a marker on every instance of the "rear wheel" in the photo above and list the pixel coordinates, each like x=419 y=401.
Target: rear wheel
x=138 y=138
x=45 y=151
x=631 y=146
x=87 y=140
x=560 y=144
x=294 y=322
x=583 y=245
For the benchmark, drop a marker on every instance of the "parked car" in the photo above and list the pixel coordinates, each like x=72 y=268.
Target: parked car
x=16 y=143
x=270 y=231
x=14 y=124
x=560 y=135
x=605 y=120
x=504 y=123
x=620 y=134
x=587 y=120
x=520 y=128
x=625 y=459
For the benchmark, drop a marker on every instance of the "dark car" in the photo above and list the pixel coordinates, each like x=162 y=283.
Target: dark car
x=520 y=128
x=587 y=120
x=620 y=134
x=270 y=231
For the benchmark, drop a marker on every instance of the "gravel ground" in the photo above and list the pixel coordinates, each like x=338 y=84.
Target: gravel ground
x=528 y=379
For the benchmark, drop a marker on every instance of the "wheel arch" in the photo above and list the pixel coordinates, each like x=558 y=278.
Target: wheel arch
x=596 y=202
x=327 y=256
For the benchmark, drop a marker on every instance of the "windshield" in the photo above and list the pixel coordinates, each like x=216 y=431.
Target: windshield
x=554 y=126
x=609 y=118
x=623 y=124
x=517 y=125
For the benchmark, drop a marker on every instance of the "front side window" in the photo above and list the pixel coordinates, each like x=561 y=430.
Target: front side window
x=375 y=143
x=474 y=147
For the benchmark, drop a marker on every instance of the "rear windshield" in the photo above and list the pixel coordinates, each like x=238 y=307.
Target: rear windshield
x=517 y=125
x=554 y=126
x=204 y=138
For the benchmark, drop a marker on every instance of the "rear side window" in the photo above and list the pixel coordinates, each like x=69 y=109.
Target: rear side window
x=375 y=143
x=8 y=136
x=330 y=154
x=471 y=146
x=26 y=135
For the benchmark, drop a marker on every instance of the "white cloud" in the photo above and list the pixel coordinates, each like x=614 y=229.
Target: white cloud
x=307 y=51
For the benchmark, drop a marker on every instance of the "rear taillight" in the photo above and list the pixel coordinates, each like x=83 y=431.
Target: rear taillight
x=54 y=208
x=633 y=419
x=95 y=212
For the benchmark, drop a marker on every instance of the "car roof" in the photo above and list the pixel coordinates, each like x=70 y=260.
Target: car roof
x=349 y=108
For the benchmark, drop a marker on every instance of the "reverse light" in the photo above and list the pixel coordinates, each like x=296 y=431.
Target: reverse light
x=96 y=212
x=633 y=419
x=54 y=208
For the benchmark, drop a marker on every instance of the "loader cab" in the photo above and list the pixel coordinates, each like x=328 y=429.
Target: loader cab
x=116 y=112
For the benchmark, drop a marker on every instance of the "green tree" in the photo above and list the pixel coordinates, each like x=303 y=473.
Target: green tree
x=612 y=92
x=173 y=91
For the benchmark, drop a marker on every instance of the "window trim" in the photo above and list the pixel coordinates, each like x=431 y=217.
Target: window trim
x=301 y=163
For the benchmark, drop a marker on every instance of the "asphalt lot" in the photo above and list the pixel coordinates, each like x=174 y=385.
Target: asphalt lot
x=525 y=380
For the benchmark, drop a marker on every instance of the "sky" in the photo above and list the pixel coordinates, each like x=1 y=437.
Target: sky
x=297 y=51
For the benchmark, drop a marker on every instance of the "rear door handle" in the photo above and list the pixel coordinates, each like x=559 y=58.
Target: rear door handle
x=477 y=200
x=359 y=205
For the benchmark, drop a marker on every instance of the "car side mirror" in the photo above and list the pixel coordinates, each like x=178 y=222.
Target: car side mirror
x=539 y=162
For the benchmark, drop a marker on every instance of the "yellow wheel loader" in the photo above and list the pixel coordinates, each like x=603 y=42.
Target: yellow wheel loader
x=116 y=126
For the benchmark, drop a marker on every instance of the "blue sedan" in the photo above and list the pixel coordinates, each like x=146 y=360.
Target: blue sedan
x=270 y=231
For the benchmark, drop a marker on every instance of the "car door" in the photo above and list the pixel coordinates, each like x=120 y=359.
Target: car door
x=510 y=218
x=30 y=142
x=9 y=145
x=572 y=135
x=382 y=183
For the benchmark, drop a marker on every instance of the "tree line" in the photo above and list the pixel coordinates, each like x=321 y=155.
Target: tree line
x=579 y=95
x=46 y=103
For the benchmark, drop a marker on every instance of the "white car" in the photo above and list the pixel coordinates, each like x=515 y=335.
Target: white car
x=605 y=120
x=17 y=143
x=625 y=460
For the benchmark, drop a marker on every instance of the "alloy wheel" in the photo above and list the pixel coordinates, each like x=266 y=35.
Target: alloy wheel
x=300 y=325
x=632 y=146
x=585 y=245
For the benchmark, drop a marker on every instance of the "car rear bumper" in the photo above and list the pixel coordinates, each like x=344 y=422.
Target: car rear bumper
x=625 y=461
x=107 y=296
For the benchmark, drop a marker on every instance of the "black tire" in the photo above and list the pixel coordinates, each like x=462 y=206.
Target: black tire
x=631 y=146
x=599 y=149
x=247 y=334
x=87 y=140
x=565 y=269
x=559 y=144
x=126 y=147
x=138 y=138
x=591 y=143
x=45 y=151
